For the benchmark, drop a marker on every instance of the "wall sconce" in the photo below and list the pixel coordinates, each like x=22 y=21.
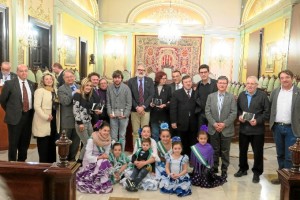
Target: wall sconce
x=92 y=59
x=114 y=47
x=221 y=52
x=29 y=36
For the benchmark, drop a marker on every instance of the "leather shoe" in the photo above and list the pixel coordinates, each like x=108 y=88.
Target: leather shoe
x=275 y=181
x=224 y=174
x=255 y=178
x=215 y=170
x=240 y=173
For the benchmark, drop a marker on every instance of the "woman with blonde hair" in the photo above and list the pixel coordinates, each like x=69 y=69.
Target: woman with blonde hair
x=45 y=124
x=82 y=110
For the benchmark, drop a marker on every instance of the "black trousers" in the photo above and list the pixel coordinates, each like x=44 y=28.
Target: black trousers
x=188 y=137
x=221 y=146
x=73 y=149
x=257 y=144
x=46 y=145
x=19 y=137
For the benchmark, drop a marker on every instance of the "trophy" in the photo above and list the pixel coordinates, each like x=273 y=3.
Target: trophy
x=157 y=102
x=118 y=112
x=248 y=116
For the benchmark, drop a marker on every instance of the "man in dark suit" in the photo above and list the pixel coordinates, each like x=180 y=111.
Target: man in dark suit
x=182 y=114
x=65 y=95
x=285 y=118
x=59 y=73
x=176 y=77
x=142 y=90
x=17 y=101
x=205 y=87
x=221 y=111
x=6 y=74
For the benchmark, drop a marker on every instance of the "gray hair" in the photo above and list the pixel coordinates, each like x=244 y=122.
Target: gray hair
x=223 y=78
x=253 y=78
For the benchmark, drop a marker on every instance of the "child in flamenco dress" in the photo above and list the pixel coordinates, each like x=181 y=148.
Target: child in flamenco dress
x=202 y=159
x=176 y=180
x=119 y=162
x=93 y=176
x=164 y=147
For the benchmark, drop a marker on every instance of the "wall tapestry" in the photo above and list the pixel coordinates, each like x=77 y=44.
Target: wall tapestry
x=159 y=56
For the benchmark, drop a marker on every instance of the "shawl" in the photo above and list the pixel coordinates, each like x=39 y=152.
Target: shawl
x=100 y=140
x=207 y=153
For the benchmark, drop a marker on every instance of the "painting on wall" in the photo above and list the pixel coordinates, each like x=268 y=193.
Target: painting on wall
x=159 y=56
x=270 y=57
x=70 y=50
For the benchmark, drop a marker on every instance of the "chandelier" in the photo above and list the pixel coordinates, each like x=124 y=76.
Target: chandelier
x=29 y=36
x=169 y=31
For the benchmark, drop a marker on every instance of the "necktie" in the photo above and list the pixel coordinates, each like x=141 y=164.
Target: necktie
x=73 y=87
x=188 y=93
x=25 y=98
x=141 y=93
x=220 y=103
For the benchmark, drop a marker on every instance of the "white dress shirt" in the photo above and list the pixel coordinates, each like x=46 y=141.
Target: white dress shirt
x=28 y=91
x=284 y=106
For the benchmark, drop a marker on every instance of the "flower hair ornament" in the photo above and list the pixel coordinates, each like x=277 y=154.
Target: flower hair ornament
x=98 y=124
x=164 y=126
x=140 y=131
x=113 y=142
x=176 y=139
x=204 y=128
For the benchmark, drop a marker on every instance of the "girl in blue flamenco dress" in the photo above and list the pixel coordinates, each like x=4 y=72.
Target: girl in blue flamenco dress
x=202 y=159
x=176 y=180
x=164 y=147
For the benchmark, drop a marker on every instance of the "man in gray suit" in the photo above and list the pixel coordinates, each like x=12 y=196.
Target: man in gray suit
x=221 y=111
x=17 y=101
x=119 y=102
x=142 y=90
x=65 y=95
x=285 y=118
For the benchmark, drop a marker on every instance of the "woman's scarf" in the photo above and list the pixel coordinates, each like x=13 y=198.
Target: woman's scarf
x=100 y=140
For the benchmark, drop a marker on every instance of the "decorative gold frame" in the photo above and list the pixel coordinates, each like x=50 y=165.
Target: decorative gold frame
x=71 y=50
x=270 y=57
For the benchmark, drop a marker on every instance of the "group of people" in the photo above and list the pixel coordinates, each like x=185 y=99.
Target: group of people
x=96 y=114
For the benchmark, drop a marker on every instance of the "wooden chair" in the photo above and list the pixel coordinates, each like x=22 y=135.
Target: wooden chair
x=236 y=89
x=276 y=83
x=265 y=82
x=31 y=76
x=38 y=76
x=242 y=88
x=271 y=84
x=229 y=87
x=260 y=81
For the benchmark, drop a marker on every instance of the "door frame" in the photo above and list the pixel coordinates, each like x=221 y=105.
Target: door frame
x=5 y=32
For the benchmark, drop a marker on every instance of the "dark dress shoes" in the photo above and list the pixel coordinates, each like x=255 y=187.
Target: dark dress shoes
x=240 y=173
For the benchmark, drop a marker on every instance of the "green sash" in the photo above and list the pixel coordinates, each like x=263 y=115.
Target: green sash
x=138 y=143
x=161 y=148
x=199 y=156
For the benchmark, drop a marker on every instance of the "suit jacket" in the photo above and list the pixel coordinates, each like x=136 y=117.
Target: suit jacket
x=182 y=110
x=119 y=100
x=172 y=86
x=97 y=98
x=66 y=106
x=158 y=114
x=295 y=109
x=11 y=100
x=12 y=75
x=227 y=116
x=60 y=79
x=148 y=92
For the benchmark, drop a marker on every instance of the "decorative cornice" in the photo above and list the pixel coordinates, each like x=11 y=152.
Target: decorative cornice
x=152 y=28
x=184 y=4
x=3 y=2
x=39 y=12
x=73 y=9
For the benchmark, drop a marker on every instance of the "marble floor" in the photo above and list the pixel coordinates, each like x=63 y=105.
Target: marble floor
x=235 y=188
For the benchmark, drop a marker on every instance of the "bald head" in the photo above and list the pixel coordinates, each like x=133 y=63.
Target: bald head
x=22 y=71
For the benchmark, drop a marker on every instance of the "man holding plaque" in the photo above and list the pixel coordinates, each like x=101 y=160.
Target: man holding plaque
x=253 y=111
x=119 y=102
